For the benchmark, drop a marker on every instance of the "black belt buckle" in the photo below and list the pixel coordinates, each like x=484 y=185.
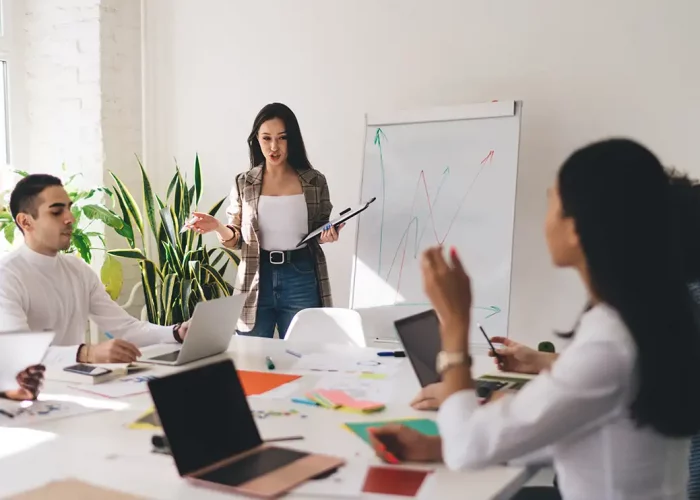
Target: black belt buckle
x=277 y=257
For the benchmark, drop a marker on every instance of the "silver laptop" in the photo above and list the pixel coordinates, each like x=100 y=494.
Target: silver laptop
x=19 y=351
x=212 y=326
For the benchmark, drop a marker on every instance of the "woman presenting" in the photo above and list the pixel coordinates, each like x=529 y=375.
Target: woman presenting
x=274 y=205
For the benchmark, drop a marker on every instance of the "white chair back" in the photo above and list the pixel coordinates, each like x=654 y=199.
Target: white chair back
x=328 y=325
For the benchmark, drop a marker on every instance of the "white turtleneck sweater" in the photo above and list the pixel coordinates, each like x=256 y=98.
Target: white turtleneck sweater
x=60 y=293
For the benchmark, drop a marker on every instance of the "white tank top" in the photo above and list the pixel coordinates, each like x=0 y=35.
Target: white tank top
x=283 y=221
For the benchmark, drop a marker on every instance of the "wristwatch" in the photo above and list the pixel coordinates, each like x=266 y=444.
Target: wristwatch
x=446 y=360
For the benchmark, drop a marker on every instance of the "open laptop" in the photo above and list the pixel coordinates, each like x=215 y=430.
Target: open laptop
x=420 y=336
x=19 y=351
x=212 y=326
x=215 y=441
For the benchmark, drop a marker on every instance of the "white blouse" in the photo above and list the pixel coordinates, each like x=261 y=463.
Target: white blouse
x=581 y=409
x=283 y=221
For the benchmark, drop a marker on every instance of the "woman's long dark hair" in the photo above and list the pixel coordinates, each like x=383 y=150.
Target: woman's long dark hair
x=296 y=151
x=623 y=207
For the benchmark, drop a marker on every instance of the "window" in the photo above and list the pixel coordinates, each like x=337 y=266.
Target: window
x=6 y=53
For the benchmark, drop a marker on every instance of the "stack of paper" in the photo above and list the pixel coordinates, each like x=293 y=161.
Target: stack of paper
x=335 y=399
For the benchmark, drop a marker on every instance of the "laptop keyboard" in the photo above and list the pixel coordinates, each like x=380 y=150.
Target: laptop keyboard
x=253 y=466
x=171 y=356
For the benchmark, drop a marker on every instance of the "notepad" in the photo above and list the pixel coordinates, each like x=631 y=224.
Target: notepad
x=422 y=425
x=74 y=489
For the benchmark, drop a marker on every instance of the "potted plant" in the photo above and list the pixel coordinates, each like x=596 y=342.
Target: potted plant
x=183 y=271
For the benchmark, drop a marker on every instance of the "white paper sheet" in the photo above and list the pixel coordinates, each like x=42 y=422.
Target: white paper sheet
x=28 y=414
x=120 y=388
x=354 y=363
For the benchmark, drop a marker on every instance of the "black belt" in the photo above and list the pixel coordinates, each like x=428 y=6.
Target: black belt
x=278 y=257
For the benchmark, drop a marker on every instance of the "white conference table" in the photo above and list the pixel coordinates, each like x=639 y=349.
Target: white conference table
x=100 y=449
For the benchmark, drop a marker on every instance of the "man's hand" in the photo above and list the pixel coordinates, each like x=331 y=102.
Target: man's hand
x=182 y=331
x=405 y=444
x=112 y=351
x=29 y=382
x=430 y=397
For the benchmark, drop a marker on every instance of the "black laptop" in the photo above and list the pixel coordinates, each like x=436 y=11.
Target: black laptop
x=420 y=336
x=215 y=441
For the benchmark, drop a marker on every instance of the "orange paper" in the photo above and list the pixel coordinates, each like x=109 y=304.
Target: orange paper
x=255 y=383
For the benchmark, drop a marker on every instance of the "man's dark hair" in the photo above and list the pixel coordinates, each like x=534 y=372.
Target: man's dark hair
x=25 y=193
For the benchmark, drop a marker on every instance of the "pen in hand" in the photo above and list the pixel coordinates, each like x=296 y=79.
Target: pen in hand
x=500 y=359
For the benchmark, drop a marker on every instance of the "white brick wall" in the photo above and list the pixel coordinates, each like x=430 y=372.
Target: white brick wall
x=82 y=63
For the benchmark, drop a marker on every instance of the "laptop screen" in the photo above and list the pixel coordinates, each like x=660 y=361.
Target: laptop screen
x=420 y=336
x=205 y=415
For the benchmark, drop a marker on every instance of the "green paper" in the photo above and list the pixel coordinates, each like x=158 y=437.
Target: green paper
x=422 y=425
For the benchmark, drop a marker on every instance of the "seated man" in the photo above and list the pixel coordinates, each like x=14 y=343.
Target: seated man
x=44 y=289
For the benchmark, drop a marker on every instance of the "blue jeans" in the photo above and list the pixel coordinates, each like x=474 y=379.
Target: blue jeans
x=285 y=289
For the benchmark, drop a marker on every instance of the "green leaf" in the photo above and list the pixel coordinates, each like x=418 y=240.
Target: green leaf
x=161 y=205
x=72 y=178
x=99 y=236
x=148 y=202
x=195 y=268
x=5 y=216
x=222 y=271
x=128 y=253
x=197 y=180
x=218 y=279
x=216 y=207
x=97 y=212
x=82 y=244
x=21 y=173
x=148 y=279
x=112 y=276
x=232 y=255
x=167 y=215
x=171 y=186
x=169 y=297
x=185 y=293
x=9 y=232
x=129 y=203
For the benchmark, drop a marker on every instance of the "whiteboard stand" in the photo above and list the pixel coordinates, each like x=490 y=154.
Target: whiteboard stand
x=442 y=176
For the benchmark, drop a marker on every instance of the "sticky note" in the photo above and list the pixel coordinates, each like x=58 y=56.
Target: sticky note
x=422 y=425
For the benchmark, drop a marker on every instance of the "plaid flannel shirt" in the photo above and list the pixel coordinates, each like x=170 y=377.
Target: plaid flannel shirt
x=243 y=220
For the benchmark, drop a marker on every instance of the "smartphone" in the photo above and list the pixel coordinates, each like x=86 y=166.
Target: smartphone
x=92 y=371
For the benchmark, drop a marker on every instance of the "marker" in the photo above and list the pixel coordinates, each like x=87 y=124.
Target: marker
x=269 y=363
x=289 y=438
x=109 y=336
x=394 y=354
x=293 y=353
x=345 y=211
x=304 y=401
x=498 y=356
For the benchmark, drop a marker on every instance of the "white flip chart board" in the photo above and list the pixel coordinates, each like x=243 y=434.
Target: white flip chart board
x=441 y=176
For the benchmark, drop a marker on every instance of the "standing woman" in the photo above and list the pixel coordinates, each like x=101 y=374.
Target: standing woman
x=277 y=202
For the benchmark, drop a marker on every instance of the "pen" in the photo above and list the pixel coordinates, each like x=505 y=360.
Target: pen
x=109 y=335
x=289 y=438
x=394 y=354
x=498 y=356
x=293 y=353
x=6 y=413
x=269 y=363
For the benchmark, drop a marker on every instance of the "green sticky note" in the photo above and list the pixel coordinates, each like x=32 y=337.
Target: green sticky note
x=423 y=425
